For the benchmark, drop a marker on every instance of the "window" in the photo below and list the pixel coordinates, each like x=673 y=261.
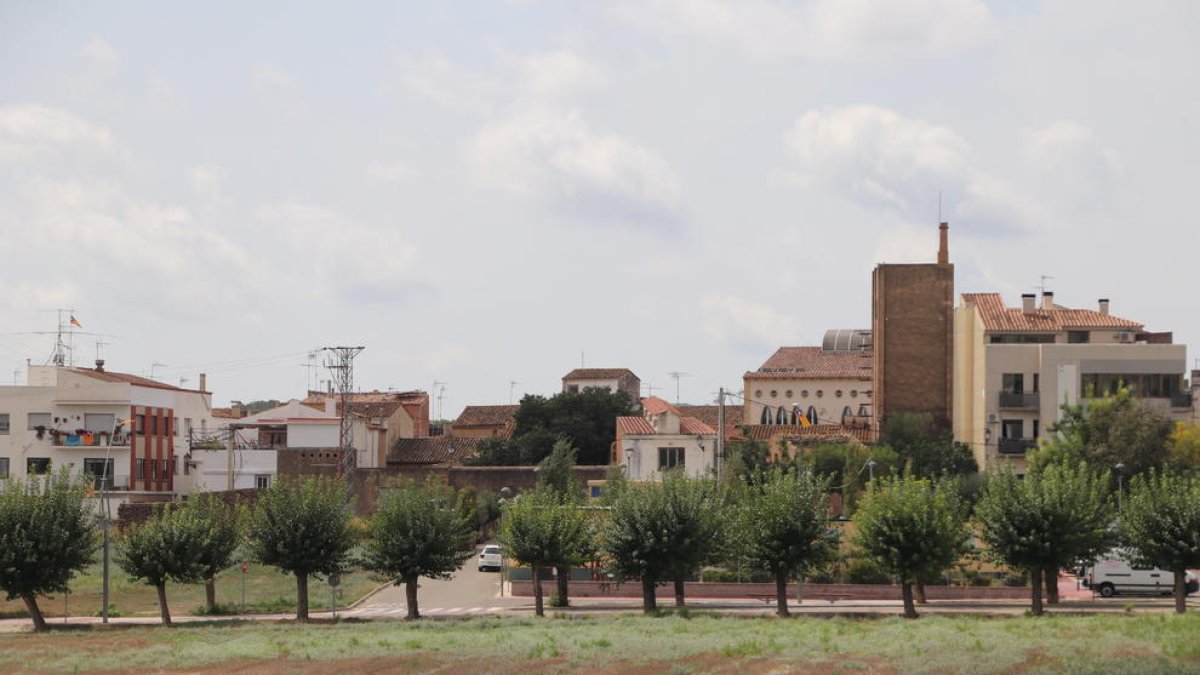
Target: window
x=670 y=458
x=153 y=470
x=1078 y=337
x=787 y=394
x=139 y=469
x=572 y=389
x=3 y=467
x=1022 y=338
x=154 y=425
x=781 y=416
x=187 y=426
x=820 y=393
x=1013 y=383
x=838 y=393
x=262 y=481
x=139 y=424
x=3 y=423
x=38 y=420
x=846 y=414
x=1036 y=382
x=758 y=393
x=1013 y=429
x=1035 y=429
x=774 y=393
x=853 y=393
x=803 y=393
x=37 y=466
x=101 y=471
x=99 y=422
x=812 y=415
x=766 y=415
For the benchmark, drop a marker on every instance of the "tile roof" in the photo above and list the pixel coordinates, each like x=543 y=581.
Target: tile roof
x=819 y=432
x=382 y=404
x=811 y=363
x=486 y=415
x=432 y=450
x=691 y=425
x=998 y=318
x=654 y=405
x=637 y=426
x=137 y=380
x=708 y=415
x=597 y=373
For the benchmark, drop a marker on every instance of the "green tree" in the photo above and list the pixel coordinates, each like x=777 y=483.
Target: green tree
x=1160 y=522
x=638 y=540
x=782 y=527
x=1046 y=520
x=416 y=532
x=913 y=528
x=1115 y=429
x=1183 y=448
x=587 y=420
x=693 y=517
x=167 y=547
x=923 y=450
x=47 y=535
x=302 y=528
x=224 y=527
x=556 y=473
x=544 y=529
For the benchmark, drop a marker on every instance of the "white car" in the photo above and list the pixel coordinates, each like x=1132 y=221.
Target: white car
x=490 y=558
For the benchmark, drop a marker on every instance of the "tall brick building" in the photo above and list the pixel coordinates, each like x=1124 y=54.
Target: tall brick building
x=912 y=317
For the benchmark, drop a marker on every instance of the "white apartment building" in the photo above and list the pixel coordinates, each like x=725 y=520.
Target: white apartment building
x=1015 y=367
x=664 y=439
x=128 y=432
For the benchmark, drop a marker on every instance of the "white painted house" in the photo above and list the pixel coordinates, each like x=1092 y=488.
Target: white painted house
x=664 y=439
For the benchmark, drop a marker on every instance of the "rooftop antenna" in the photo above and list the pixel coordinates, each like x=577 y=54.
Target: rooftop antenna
x=582 y=363
x=153 y=365
x=62 y=356
x=511 y=385
x=310 y=378
x=99 y=344
x=676 y=375
x=1042 y=286
x=182 y=380
x=439 y=389
x=650 y=388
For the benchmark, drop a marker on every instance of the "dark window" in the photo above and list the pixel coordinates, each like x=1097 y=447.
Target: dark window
x=139 y=469
x=3 y=467
x=1078 y=337
x=573 y=388
x=669 y=458
x=101 y=472
x=846 y=414
x=139 y=424
x=3 y=423
x=1013 y=383
x=38 y=420
x=1013 y=429
x=1022 y=338
x=262 y=482
x=1037 y=382
x=154 y=425
x=37 y=465
x=812 y=415
x=1035 y=428
x=766 y=415
x=781 y=416
x=153 y=470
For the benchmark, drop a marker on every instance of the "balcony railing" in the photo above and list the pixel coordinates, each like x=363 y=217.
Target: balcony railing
x=1181 y=399
x=1017 y=446
x=1013 y=401
x=88 y=440
x=114 y=483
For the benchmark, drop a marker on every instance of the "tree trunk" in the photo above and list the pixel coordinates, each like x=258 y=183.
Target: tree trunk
x=210 y=593
x=649 y=602
x=679 y=600
x=1180 y=591
x=781 y=607
x=301 y=596
x=906 y=591
x=410 y=597
x=1051 y=585
x=1036 y=581
x=163 y=609
x=919 y=592
x=563 y=574
x=537 y=591
x=35 y=613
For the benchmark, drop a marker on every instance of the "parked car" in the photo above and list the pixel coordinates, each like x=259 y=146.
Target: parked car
x=490 y=558
x=1113 y=574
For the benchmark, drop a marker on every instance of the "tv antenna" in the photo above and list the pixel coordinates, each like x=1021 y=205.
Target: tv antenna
x=511 y=385
x=677 y=375
x=439 y=390
x=1042 y=284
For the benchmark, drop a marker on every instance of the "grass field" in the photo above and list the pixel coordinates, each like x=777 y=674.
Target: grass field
x=629 y=643
x=266 y=591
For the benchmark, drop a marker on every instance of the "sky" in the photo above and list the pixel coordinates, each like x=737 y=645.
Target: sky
x=490 y=194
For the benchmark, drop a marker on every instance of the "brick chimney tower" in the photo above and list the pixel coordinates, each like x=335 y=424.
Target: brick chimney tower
x=944 y=244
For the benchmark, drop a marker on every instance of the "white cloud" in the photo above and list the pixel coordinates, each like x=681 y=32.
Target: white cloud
x=26 y=129
x=731 y=320
x=438 y=78
x=556 y=155
x=854 y=31
x=207 y=182
x=561 y=70
x=100 y=55
x=27 y=297
x=280 y=88
x=1073 y=168
x=882 y=159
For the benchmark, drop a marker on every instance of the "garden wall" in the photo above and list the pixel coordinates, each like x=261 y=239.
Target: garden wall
x=694 y=589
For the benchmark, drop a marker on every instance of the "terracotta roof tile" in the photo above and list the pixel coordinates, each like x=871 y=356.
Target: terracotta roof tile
x=636 y=426
x=486 y=415
x=819 y=432
x=597 y=373
x=432 y=450
x=691 y=425
x=654 y=405
x=809 y=363
x=998 y=318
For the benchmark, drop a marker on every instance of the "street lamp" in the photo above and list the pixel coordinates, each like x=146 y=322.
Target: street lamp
x=871 y=469
x=1120 y=467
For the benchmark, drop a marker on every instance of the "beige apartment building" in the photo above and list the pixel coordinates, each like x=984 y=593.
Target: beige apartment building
x=830 y=384
x=1016 y=366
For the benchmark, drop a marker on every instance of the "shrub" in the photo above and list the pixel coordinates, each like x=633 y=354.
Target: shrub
x=864 y=571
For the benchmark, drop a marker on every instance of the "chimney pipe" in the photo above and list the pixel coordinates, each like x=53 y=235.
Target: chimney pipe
x=99 y=365
x=1027 y=300
x=203 y=382
x=1104 y=306
x=944 y=244
x=1047 y=299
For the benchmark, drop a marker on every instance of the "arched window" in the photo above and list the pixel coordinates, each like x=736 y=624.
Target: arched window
x=812 y=415
x=793 y=416
x=846 y=415
x=766 y=415
x=781 y=416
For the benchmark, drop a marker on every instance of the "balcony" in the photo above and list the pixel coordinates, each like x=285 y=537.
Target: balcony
x=1181 y=399
x=110 y=483
x=1017 y=446
x=101 y=440
x=1011 y=401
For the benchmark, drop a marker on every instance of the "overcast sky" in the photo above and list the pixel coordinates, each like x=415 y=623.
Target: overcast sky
x=488 y=192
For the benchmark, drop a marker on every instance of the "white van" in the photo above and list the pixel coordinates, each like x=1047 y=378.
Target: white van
x=1113 y=574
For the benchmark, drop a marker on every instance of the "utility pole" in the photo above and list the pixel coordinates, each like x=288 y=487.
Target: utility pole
x=676 y=375
x=720 y=458
x=340 y=362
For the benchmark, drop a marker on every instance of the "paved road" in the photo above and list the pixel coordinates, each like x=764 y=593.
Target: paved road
x=469 y=593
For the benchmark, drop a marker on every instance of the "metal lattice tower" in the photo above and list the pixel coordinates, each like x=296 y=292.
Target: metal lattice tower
x=340 y=362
